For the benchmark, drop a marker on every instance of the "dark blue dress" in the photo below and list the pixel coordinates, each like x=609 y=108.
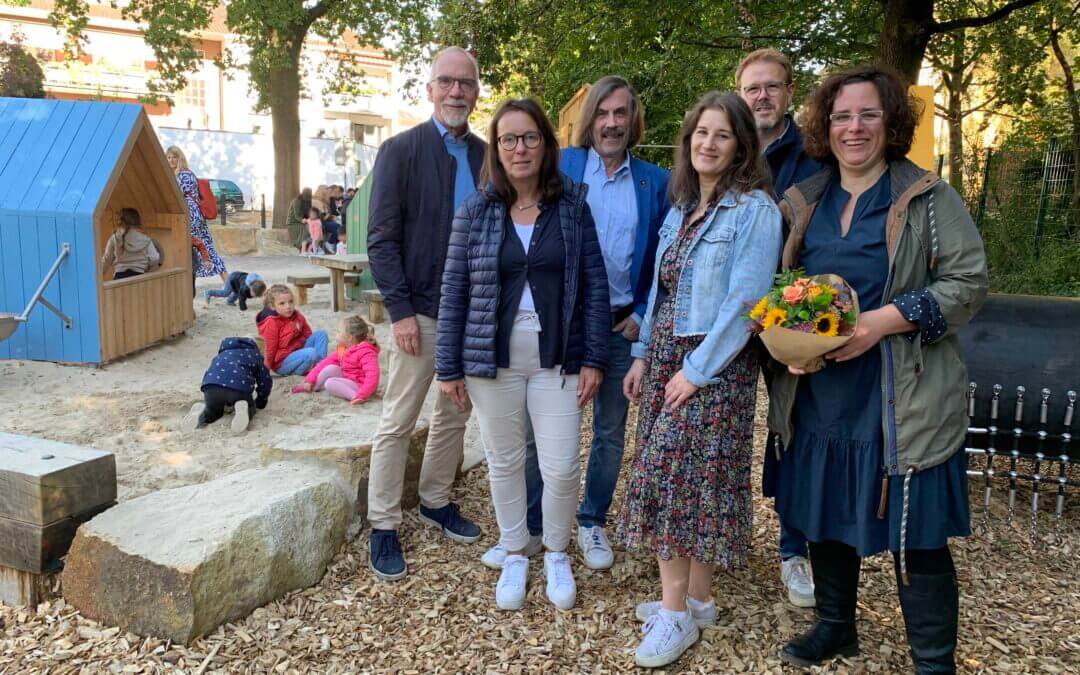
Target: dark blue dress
x=829 y=482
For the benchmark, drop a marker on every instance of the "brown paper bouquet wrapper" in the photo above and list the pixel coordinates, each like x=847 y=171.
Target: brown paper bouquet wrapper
x=805 y=350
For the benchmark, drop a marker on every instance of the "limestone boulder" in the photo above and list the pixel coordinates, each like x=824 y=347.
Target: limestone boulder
x=351 y=459
x=178 y=563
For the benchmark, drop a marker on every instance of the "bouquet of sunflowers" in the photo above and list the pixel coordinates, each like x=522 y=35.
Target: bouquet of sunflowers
x=803 y=318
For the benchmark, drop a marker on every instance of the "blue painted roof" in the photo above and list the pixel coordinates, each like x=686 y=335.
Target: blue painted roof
x=56 y=156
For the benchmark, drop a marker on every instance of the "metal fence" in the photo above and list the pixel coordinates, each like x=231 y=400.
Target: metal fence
x=1025 y=192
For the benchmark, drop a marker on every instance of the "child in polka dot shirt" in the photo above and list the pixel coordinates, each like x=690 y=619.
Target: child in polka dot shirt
x=236 y=378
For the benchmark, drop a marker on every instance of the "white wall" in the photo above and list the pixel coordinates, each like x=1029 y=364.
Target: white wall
x=248 y=160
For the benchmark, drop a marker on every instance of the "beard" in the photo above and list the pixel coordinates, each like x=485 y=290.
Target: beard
x=768 y=119
x=455 y=117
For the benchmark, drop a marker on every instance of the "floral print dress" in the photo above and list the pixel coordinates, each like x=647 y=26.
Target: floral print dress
x=688 y=495
x=189 y=186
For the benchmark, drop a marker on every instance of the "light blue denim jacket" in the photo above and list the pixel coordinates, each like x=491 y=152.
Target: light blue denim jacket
x=729 y=266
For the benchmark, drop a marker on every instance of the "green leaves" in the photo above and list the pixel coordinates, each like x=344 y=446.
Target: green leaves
x=20 y=74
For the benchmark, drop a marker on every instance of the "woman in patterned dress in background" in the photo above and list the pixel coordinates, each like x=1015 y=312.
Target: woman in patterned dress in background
x=688 y=499
x=189 y=186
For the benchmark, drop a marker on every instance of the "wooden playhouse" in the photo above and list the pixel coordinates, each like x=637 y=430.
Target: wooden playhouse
x=66 y=170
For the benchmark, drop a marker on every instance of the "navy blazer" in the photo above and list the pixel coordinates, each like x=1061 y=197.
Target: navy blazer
x=650 y=186
x=411 y=208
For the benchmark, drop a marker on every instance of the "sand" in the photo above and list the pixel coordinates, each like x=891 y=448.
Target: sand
x=133 y=407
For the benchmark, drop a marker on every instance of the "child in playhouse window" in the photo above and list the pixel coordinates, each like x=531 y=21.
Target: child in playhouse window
x=129 y=250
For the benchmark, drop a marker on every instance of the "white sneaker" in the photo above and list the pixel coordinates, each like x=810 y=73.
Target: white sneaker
x=795 y=573
x=495 y=555
x=595 y=548
x=510 y=591
x=704 y=615
x=191 y=419
x=241 y=417
x=561 y=590
x=667 y=635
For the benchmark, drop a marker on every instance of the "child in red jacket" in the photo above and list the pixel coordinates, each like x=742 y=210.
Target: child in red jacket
x=291 y=347
x=352 y=371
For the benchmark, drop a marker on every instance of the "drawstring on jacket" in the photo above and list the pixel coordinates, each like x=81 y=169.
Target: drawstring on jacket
x=903 y=527
x=933 y=233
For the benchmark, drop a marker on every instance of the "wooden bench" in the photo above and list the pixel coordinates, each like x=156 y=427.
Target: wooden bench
x=305 y=282
x=47 y=489
x=376 y=310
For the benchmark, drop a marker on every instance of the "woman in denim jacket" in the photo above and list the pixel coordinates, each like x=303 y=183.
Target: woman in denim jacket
x=688 y=500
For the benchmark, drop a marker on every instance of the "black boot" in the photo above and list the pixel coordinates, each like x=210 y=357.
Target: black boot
x=836 y=582
x=930 y=603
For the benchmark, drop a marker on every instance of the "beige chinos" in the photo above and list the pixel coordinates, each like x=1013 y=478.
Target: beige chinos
x=408 y=381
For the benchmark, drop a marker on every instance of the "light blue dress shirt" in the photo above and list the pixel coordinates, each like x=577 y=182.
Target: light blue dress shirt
x=459 y=150
x=614 y=208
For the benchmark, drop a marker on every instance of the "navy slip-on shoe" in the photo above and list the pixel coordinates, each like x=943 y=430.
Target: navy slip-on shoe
x=451 y=522
x=387 y=561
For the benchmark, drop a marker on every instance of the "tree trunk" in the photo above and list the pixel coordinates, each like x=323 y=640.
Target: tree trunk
x=284 y=96
x=955 y=82
x=1074 y=113
x=905 y=33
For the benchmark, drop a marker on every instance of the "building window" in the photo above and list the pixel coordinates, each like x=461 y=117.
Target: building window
x=366 y=134
x=193 y=96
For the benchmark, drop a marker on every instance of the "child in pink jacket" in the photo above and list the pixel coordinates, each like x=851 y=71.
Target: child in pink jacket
x=351 y=372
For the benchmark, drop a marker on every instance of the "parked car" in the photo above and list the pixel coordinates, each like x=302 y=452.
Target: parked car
x=227 y=194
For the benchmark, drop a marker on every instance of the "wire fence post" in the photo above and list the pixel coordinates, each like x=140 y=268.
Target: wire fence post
x=983 y=189
x=1040 y=217
x=262 y=211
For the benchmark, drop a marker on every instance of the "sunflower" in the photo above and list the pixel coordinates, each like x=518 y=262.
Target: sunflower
x=827 y=323
x=774 y=317
x=759 y=309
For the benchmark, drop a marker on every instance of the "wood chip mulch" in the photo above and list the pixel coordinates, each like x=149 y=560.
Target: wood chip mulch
x=1019 y=612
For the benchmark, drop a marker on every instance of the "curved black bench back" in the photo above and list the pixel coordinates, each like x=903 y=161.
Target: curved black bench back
x=1031 y=342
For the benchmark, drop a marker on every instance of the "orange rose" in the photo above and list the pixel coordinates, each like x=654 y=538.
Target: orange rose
x=793 y=294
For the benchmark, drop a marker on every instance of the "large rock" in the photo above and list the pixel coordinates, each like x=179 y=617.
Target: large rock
x=351 y=459
x=178 y=563
x=234 y=239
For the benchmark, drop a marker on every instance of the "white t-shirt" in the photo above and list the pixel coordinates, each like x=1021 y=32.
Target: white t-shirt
x=525 y=233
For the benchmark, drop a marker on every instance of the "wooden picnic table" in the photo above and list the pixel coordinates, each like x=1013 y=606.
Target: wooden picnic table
x=338 y=266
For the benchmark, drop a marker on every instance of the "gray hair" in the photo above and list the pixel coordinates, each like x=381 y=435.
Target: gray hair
x=600 y=90
x=454 y=50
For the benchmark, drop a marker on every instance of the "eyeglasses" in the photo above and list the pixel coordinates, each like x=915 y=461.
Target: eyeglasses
x=868 y=117
x=770 y=88
x=530 y=138
x=446 y=83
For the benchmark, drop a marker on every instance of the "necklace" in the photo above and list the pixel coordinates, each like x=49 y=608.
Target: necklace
x=526 y=207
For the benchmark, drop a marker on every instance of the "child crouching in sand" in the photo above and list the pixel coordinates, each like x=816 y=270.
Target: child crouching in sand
x=352 y=371
x=237 y=377
x=291 y=346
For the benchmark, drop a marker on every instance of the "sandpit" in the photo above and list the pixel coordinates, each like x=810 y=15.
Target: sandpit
x=133 y=407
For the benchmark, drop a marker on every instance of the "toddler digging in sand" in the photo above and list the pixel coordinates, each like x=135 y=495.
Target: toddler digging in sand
x=236 y=378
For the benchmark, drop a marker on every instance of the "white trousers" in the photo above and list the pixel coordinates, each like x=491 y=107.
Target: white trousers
x=550 y=401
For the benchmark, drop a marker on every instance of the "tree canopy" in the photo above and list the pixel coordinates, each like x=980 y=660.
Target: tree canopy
x=20 y=74
x=673 y=51
x=273 y=33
